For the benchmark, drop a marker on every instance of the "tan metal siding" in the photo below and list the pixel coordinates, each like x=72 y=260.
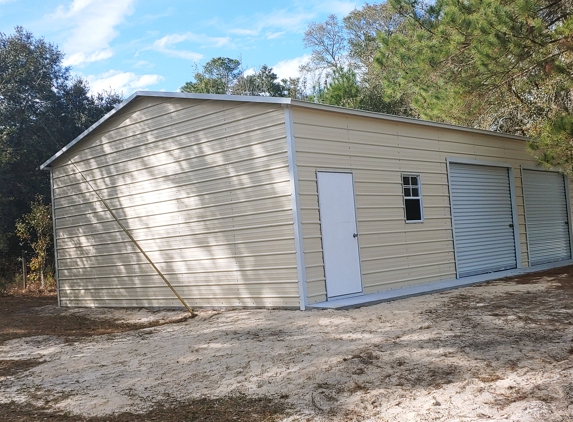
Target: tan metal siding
x=394 y=254
x=202 y=185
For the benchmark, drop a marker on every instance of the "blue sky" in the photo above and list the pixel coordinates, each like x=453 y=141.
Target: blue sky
x=130 y=45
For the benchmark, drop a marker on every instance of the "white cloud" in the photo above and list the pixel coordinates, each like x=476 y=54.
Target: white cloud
x=89 y=27
x=143 y=63
x=286 y=20
x=167 y=43
x=273 y=35
x=81 y=58
x=250 y=71
x=281 y=21
x=241 y=31
x=289 y=68
x=336 y=7
x=126 y=82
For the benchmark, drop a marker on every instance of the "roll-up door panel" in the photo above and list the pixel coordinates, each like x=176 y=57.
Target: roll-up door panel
x=546 y=216
x=483 y=219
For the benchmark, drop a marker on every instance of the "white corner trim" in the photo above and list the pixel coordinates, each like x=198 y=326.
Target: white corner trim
x=516 y=234
x=452 y=217
x=521 y=168
x=56 y=272
x=568 y=199
x=299 y=244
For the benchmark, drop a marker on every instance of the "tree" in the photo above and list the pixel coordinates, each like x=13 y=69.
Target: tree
x=328 y=43
x=261 y=83
x=35 y=229
x=363 y=26
x=42 y=107
x=343 y=59
x=343 y=89
x=223 y=75
x=494 y=64
x=217 y=77
x=295 y=88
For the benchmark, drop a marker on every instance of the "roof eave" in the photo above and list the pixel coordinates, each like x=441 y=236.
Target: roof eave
x=402 y=119
x=272 y=100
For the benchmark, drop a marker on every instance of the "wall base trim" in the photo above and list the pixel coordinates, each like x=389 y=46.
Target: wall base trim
x=440 y=286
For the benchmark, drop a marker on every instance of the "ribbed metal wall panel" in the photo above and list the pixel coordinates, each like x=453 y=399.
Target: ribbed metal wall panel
x=483 y=219
x=546 y=216
x=202 y=186
x=394 y=253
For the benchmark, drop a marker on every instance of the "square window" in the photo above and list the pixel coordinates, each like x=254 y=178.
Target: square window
x=415 y=192
x=406 y=181
x=407 y=192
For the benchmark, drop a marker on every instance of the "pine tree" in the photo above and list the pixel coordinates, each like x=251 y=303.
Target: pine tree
x=495 y=64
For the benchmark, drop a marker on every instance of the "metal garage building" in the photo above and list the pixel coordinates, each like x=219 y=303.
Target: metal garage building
x=273 y=202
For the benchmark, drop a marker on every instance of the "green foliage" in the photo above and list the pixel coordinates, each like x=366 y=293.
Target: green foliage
x=343 y=54
x=35 y=230
x=217 y=77
x=40 y=102
x=343 y=89
x=494 y=64
x=362 y=28
x=262 y=83
x=223 y=75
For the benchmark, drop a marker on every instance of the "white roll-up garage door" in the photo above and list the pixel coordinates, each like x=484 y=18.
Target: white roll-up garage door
x=546 y=216
x=483 y=219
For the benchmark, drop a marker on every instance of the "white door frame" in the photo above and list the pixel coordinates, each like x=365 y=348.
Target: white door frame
x=361 y=292
x=513 y=203
x=567 y=199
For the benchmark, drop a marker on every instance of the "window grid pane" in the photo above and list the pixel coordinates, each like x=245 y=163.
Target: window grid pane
x=411 y=186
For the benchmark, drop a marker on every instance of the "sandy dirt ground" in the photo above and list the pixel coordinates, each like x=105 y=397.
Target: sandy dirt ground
x=498 y=351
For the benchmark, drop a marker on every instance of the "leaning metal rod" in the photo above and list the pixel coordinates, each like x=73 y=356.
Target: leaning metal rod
x=125 y=230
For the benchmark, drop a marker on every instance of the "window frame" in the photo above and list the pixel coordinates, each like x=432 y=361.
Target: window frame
x=419 y=197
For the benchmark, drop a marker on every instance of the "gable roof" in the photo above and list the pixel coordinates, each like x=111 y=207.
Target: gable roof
x=268 y=100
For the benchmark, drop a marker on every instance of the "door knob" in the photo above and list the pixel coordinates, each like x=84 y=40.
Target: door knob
x=511 y=225
x=355 y=235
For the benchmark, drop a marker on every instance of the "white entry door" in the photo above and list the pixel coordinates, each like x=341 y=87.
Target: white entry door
x=339 y=233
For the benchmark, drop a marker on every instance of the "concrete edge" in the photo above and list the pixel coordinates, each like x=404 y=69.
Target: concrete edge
x=440 y=286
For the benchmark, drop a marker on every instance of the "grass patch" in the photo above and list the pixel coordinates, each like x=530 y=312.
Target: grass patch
x=237 y=408
x=19 y=318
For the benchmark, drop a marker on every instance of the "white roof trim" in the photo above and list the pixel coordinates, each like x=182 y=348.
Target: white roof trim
x=271 y=100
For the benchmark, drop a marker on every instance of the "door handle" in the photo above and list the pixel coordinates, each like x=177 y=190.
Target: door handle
x=511 y=225
x=355 y=235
